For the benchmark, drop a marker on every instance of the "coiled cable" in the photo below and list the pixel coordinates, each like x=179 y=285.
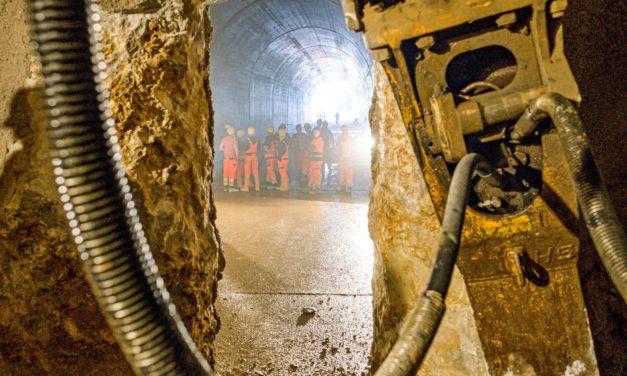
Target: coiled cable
x=96 y=194
x=601 y=219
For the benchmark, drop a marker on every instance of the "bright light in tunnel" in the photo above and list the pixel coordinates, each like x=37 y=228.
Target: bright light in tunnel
x=332 y=97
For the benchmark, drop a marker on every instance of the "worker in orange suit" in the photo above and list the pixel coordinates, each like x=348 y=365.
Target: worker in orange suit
x=283 y=159
x=241 y=160
x=269 y=155
x=316 y=150
x=228 y=146
x=251 y=160
x=345 y=156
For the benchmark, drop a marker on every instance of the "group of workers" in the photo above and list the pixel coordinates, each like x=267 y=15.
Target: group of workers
x=309 y=153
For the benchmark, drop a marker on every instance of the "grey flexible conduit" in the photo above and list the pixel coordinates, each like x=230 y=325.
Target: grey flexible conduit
x=601 y=219
x=96 y=194
x=422 y=322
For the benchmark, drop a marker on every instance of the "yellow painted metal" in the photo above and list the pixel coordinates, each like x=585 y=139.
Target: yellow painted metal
x=520 y=269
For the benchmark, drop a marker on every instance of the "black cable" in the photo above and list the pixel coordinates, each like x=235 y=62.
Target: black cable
x=422 y=322
x=452 y=223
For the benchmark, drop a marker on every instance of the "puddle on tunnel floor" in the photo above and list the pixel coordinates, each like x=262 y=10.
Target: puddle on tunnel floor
x=296 y=296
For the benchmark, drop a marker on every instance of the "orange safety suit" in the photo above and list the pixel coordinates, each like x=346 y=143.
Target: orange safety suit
x=283 y=163
x=345 y=156
x=231 y=153
x=316 y=150
x=251 y=163
x=269 y=154
x=241 y=161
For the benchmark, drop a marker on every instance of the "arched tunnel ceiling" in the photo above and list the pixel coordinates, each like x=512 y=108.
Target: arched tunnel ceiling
x=267 y=50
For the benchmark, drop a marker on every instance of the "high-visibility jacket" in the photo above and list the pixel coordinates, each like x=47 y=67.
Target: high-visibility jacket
x=316 y=149
x=253 y=145
x=229 y=147
x=283 y=149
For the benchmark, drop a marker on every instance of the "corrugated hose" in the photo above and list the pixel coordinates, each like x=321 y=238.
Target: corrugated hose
x=96 y=194
x=599 y=214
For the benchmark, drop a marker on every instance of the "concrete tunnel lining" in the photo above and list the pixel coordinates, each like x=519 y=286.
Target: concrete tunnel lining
x=267 y=56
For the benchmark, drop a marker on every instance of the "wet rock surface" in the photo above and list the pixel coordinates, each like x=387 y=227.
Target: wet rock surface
x=49 y=321
x=295 y=299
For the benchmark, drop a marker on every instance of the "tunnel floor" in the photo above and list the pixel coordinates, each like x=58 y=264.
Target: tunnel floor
x=296 y=296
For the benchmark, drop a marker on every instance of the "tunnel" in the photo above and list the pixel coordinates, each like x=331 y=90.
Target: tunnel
x=276 y=62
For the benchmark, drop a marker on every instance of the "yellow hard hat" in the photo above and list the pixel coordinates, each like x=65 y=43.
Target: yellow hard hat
x=270 y=129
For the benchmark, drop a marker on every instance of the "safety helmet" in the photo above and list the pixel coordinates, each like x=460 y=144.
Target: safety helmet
x=270 y=129
x=251 y=131
x=230 y=131
x=240 y=133
x=282 y=132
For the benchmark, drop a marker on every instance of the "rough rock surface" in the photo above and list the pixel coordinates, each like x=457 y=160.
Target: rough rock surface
x=404 y=229
x=49 y=321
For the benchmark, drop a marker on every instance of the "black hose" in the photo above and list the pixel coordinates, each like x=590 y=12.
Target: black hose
x=97 y=197
x=601 y=219
x=453 y=222
x=423 y=321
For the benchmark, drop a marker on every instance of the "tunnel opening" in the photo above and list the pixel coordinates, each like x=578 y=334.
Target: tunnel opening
x=292 y=89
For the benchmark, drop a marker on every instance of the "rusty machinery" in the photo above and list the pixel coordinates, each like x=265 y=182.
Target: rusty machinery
x=481 y=76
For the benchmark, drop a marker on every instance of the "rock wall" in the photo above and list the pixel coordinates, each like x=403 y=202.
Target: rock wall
x=158 y=59
x=404 y=228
